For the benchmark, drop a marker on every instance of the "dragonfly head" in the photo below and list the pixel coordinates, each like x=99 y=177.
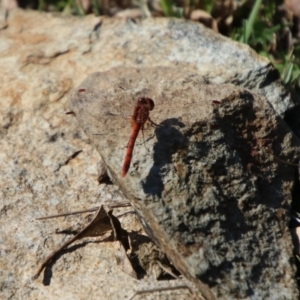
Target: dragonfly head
x=146 y=102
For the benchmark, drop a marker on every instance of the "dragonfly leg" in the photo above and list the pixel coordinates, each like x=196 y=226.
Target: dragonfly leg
x=142 y=128
x=152 y=123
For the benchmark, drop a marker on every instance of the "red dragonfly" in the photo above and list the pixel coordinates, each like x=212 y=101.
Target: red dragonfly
x=140 y=116
x=111 y=123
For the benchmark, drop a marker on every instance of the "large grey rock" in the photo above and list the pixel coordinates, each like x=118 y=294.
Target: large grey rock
x=214 y=199
x=44 y=56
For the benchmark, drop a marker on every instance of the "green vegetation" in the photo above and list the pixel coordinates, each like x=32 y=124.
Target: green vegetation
x=171 y=10
x=260 y=32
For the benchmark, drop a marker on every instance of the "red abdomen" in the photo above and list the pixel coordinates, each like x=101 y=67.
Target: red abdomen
x=127 y=161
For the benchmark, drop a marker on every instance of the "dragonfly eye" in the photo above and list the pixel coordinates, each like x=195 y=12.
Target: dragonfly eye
x=145 y=101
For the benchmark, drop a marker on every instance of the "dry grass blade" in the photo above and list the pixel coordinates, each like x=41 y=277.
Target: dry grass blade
x=69 y=213
x=109 y=205
x=161 y=289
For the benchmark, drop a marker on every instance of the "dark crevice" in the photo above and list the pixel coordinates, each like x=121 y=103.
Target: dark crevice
x=68 y=160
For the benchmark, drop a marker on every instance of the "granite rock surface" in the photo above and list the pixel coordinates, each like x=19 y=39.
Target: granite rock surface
x=49 y=166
